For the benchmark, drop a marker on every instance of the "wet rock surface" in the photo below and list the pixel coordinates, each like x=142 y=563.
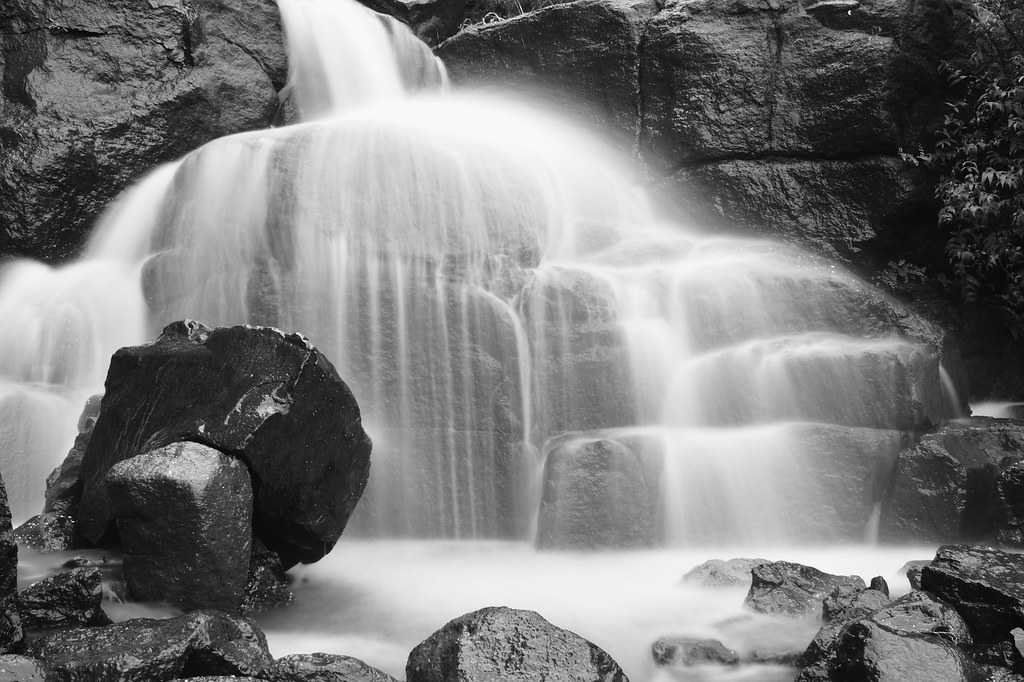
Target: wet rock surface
x=508 y=644
x=71 y=598
x=723 y=573
x=184 y=518
x=267 y=584
x=269 y=398
x=961 y=483
x=98 y=92
x=792 y=589
x=321 y=667
x=47 y=532
x=15 y=668
x=595 y=496
x=986 y=586
x=200 y=643
x=63 y=485
x=10 y=623
x=687 y=651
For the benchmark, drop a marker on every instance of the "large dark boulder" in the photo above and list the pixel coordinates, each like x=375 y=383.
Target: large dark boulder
x=986 y=586
x=322 y=668
x=200 y=643
x=595 y=496
x=785 y=588
x=95 y=93
x=268 y=398
x=64 y=485
x=964 y=482
x=499 y=643
x=184 y=517
x=67 y=599
x=915 y=638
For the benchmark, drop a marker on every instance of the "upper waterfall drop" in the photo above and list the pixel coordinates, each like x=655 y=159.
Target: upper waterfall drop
x=491 y=285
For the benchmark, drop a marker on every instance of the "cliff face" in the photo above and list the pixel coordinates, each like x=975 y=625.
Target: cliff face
x=97 y=92
x=778 y=116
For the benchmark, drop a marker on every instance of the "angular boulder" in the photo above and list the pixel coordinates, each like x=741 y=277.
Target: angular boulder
x=723 y=573
x=595 y=496
x=499 y=643
x=63 y=485
x=68 y=599
x=792 y=589
x=986 y=586
x=98 y=92
x=269 y=398
x=184 y=517
x=687 y=651
x=267 y=583
x=962 y=483
x=200 y=643
x=321 y=667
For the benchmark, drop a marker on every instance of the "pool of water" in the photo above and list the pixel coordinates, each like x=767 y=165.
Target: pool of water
x=376 y=600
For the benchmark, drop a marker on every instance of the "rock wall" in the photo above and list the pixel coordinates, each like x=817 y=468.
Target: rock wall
x=94 y=93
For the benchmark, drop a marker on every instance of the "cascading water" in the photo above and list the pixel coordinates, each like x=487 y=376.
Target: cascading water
x=486 y=279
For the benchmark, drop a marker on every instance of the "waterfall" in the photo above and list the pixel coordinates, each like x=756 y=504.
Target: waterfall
x=486 y=278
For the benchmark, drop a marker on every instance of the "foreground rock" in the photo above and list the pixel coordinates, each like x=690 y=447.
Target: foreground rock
x=200 y=643
x=10 y=623
x=595 y=496
x=64 y=485
x=184 y=517
x=47 y=532
x=792 y=589
x=986 y=586
x=68 y=599
x=267 y=584
x=914 y=638
x=322 y=668
x=98 y=92
x=719 y=573
x=964 y=482
x=269 y=398
x=21 y=669
x=507 y=644
x=687 y=651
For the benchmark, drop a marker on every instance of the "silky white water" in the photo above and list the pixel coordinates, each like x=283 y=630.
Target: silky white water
x=493 y=286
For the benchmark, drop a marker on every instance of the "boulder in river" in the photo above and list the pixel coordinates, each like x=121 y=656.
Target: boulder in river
x=47 y=532
x=200 y=643
x=64 y=485
x=962 y=483
x=67 y=599
x=786 y=588
x=596 y=496
x=723 y=573
x=267 y=397
x=184 y=517
x=321 y=667
x=687 y=651
x=499 y=643
x=986 y=586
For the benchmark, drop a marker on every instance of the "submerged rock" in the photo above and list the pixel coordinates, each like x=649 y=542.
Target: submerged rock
x=499 y=643
x=723 y=573
x=184 y=517
x=595 y=496
x=964 y=482
x=67 y=599
x=320 y=667
x=792 y=589
x=269 y=398
x=686 y=651
x=200 y=643
x=986 y=586
x=22 y=669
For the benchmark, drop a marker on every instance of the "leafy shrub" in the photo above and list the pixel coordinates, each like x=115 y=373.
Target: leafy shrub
x=980 y=157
